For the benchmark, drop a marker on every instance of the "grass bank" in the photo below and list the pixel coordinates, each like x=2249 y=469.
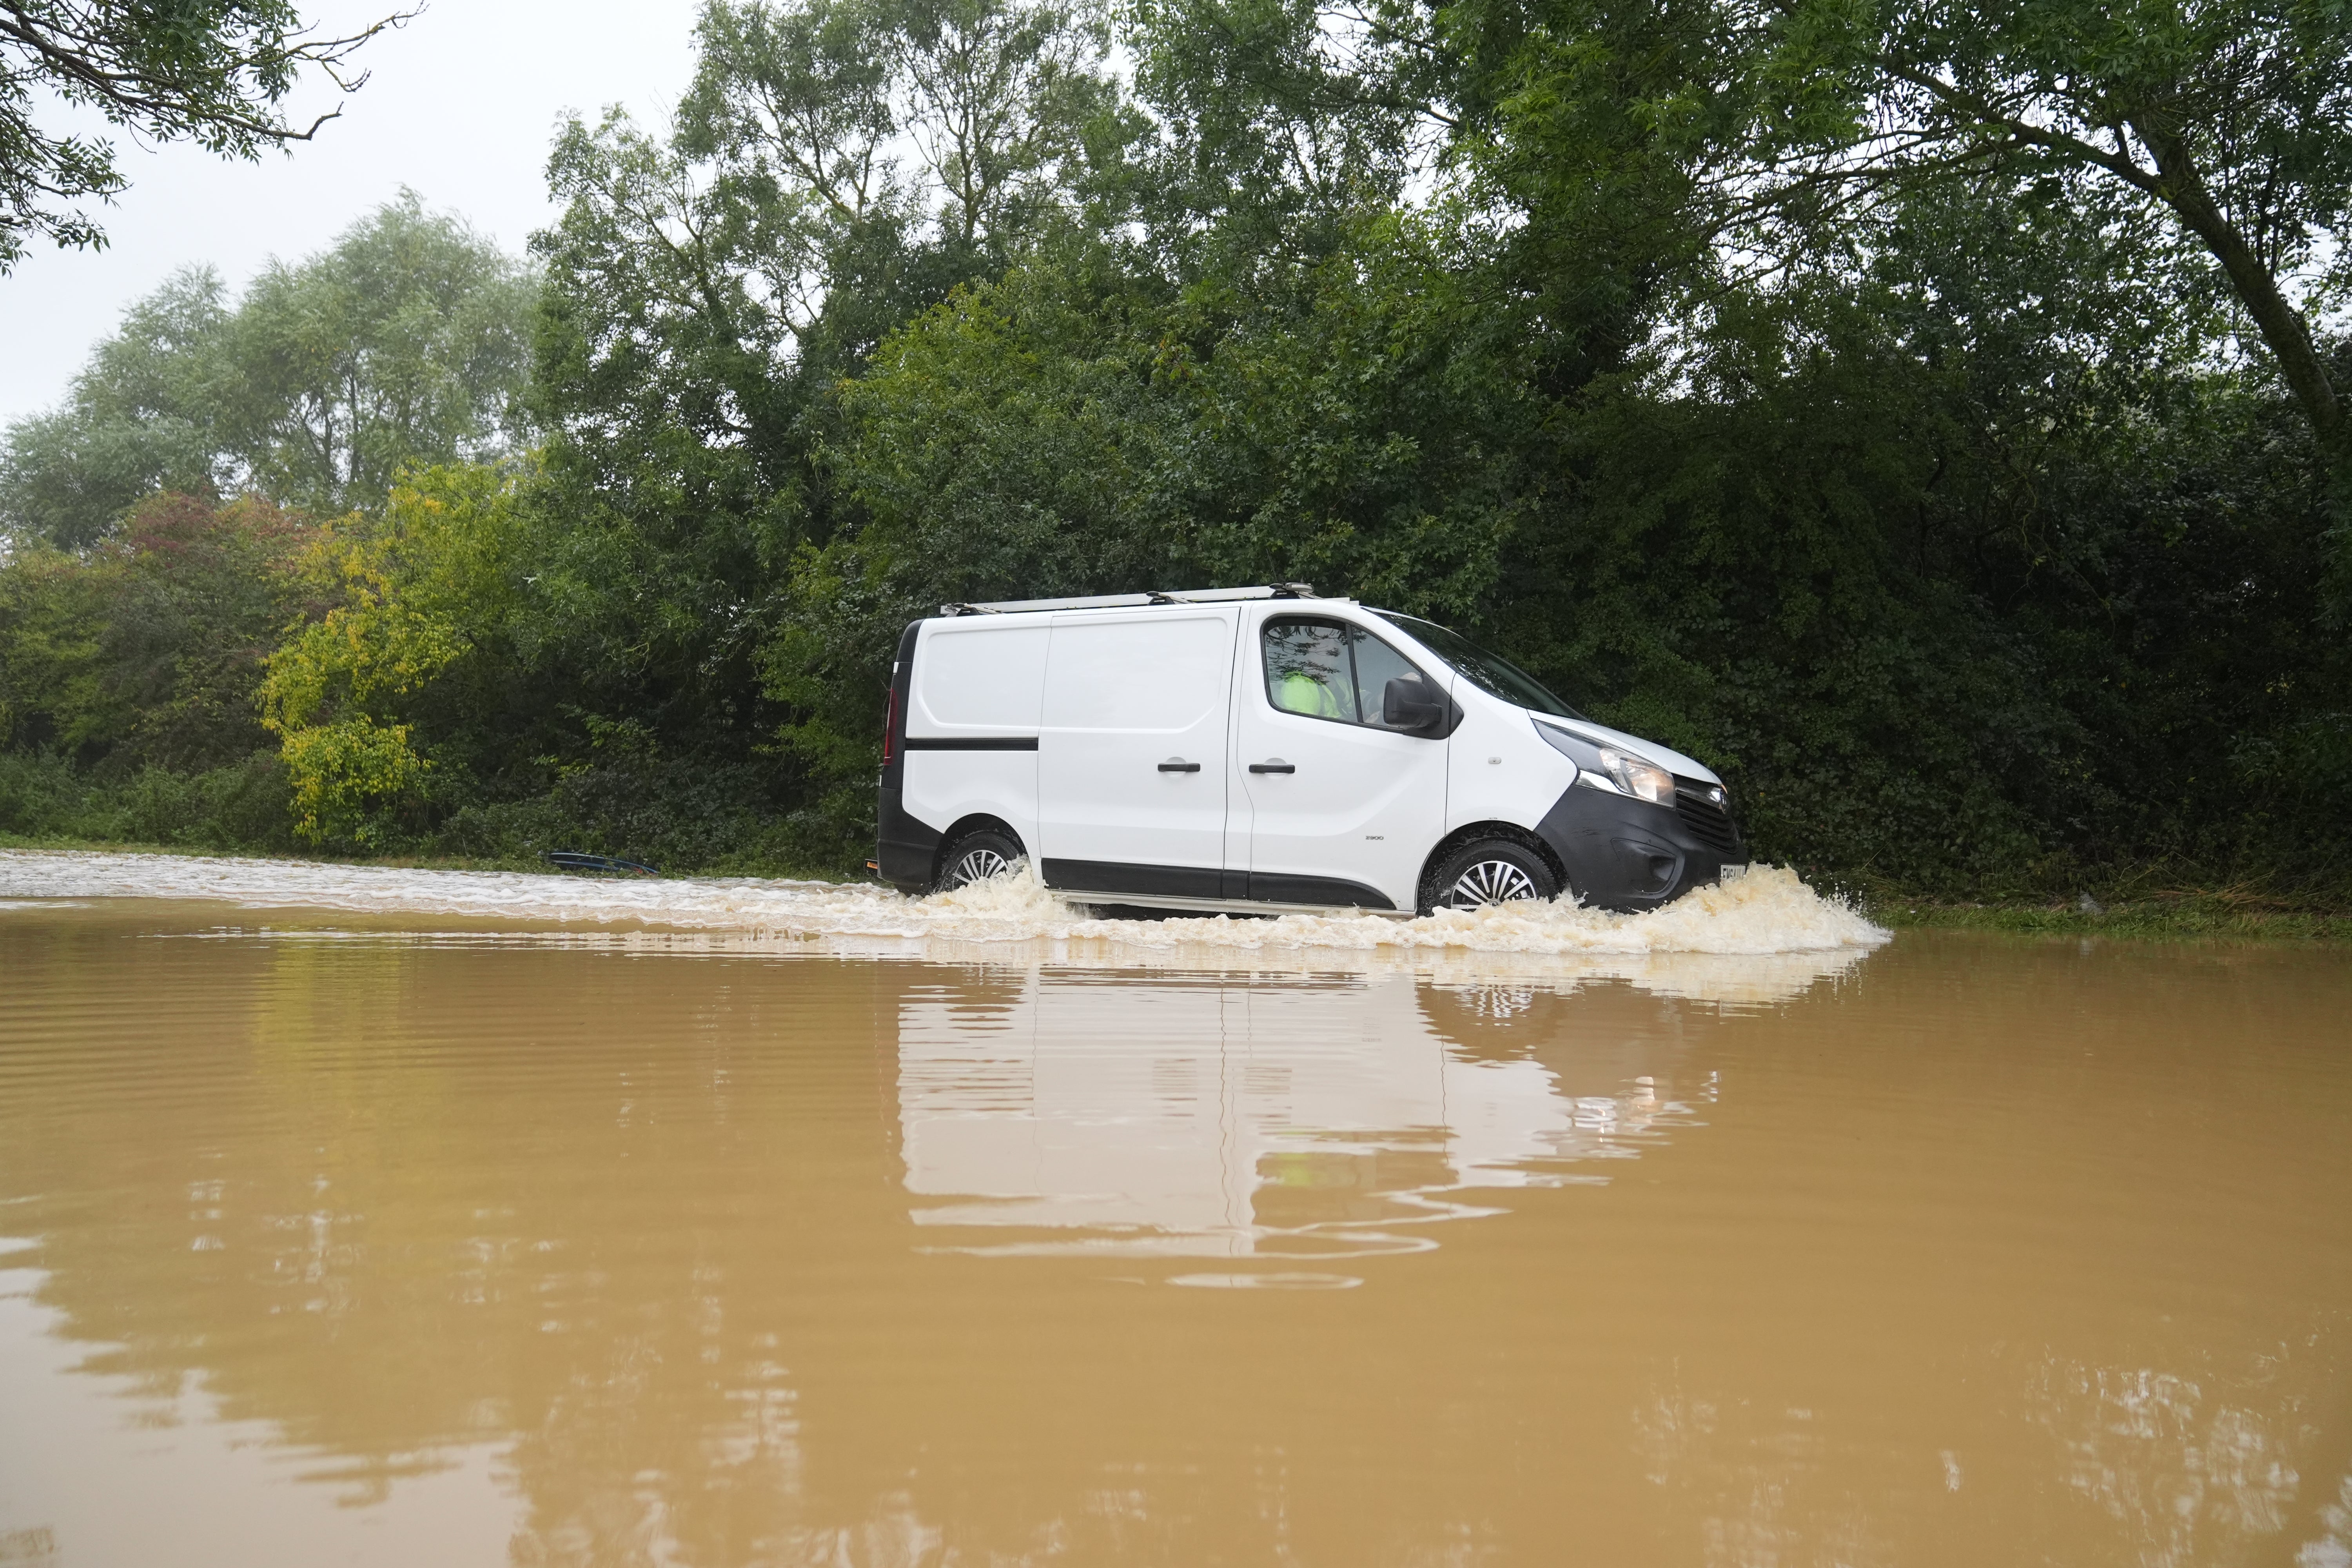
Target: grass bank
x=511 y=861
x=707 y=821
x=2182 y=917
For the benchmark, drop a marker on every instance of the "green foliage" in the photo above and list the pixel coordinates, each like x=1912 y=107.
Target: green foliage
x=2217 y=140
x=347 y=775
x=212 y=72
x=428 y=587
x=404 y=341
x=673 y=813
x=242 y=805
x=1282 y=122
x=143 y=416
x=148 y=651
x=1932 y=573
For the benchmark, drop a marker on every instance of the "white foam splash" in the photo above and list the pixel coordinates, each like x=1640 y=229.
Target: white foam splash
x=1767 y=909
x=1766 y=913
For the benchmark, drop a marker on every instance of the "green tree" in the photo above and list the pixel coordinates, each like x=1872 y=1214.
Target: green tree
x=2217 y=137
x=2234 y=120
x=1282 y=123
x=214 y=72
x=838 y=167
x=148 y=651
x=144 y=415
x=404 y=341
x=433 y=583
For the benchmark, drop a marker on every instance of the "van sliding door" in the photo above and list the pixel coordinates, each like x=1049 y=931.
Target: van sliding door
x=1131 y=773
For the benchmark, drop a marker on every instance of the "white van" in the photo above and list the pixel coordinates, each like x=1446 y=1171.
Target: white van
x=1269 y=751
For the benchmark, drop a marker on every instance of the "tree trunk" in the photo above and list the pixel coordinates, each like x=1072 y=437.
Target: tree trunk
x=2182 y=188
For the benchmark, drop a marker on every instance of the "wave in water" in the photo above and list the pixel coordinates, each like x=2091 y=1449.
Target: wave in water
x=1768 y=911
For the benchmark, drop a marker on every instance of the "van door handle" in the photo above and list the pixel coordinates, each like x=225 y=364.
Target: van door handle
x=1179 y=765
x=1276 y=767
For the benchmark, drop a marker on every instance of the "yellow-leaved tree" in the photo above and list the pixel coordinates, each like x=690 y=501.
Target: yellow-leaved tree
x=411 y=595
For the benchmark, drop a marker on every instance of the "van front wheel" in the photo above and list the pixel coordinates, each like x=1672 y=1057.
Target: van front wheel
x=1489 y=871
x=976 y=856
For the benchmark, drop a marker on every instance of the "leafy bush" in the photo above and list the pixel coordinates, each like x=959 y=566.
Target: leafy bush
x=240 y=807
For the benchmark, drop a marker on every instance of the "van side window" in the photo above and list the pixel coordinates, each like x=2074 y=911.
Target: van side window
x=1307 y=670
x=1324 y=669
x=1376 y=663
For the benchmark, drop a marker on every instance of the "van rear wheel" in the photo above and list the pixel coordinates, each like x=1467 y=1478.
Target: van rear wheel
x=1489 y=871
x=976 y=856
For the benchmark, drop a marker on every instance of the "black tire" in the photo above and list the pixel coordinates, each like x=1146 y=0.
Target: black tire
x=979 y=855
x=1488 y=871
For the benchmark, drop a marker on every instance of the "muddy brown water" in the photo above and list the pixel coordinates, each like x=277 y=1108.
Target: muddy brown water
x=325 y=1240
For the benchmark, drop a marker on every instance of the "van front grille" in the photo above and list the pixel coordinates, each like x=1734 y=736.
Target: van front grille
x=1710 y=823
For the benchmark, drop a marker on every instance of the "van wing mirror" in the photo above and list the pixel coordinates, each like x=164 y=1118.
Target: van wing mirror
x=1411 y=705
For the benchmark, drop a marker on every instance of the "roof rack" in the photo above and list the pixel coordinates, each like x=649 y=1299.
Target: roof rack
x=1135 y=600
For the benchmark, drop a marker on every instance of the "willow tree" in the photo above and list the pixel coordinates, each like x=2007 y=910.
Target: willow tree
x=403 y=342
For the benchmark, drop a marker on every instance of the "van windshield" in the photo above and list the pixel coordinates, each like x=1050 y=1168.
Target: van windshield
x=1489 y=672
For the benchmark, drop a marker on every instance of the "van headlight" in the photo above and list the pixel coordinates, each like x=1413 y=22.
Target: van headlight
x=1644 y=780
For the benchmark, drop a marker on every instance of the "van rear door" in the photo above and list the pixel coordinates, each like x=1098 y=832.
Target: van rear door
x=972 y=705
x=1132 y=764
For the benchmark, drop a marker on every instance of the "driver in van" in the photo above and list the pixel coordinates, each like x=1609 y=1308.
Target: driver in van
x=1299 y=692
x=1306 y=666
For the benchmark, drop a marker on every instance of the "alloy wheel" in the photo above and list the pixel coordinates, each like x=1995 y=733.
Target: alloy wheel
x=1490 y=882
x=977 y=865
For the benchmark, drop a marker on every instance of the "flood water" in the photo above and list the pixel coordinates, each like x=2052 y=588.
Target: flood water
x=414 y=1221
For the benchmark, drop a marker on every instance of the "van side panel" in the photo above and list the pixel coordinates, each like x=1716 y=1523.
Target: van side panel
x=972 y=723
x=1502 y=770
x=945 y=788
x=974 y=678
x=1132 y=761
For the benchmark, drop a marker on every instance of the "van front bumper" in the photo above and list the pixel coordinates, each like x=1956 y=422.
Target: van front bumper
x=1628 y=855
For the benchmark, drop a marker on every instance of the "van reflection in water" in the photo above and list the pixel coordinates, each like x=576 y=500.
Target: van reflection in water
x=469 y=1247
x=1050 y=1112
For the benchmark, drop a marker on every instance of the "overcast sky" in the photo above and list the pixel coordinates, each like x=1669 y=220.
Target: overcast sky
x=461 y=106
